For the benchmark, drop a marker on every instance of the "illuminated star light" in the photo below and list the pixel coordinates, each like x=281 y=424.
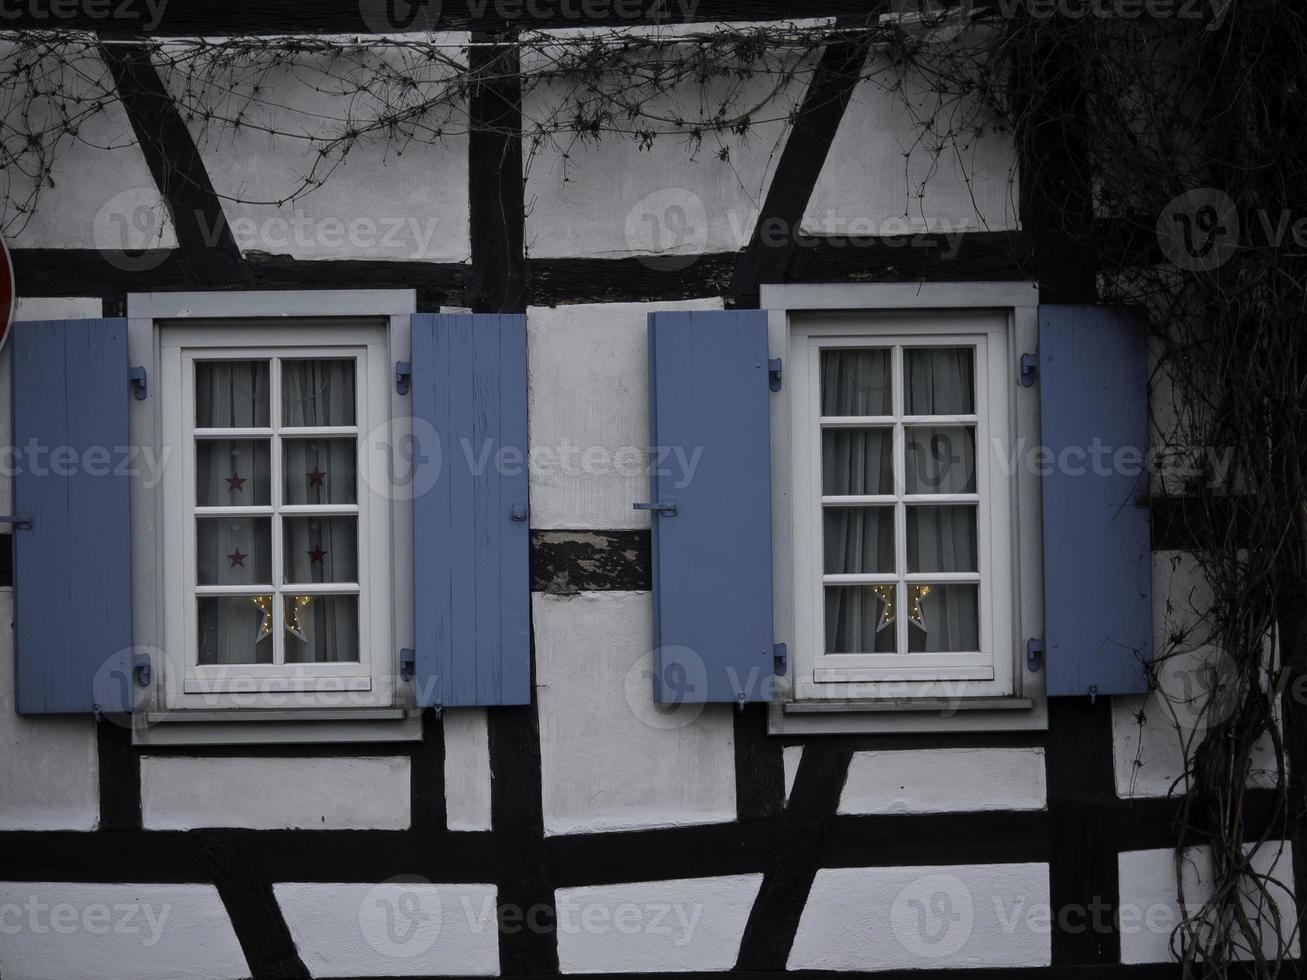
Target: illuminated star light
x=237 y=558
x=264 y=605
x=235 y=483
x=293 y=625
x=916 y=615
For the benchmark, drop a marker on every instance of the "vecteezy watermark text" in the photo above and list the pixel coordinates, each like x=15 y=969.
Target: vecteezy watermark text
x=145 y=13
x=96 y=918
x=37 y=459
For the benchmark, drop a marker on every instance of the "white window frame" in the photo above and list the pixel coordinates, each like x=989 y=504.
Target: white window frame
x=875 y=695
x=186 y=704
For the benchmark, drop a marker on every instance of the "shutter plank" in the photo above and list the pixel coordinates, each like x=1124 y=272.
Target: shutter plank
x=712 y=588
x=472 y=595
x=72 y=570
x=1097 y=556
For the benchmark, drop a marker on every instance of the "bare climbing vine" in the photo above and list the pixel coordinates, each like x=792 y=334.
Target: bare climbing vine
x=1186 y=159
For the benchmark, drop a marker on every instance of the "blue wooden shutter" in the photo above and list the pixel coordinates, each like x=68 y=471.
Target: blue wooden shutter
x=471 y=538
x=72 y=568
x=1093 y=386
x=712 y=558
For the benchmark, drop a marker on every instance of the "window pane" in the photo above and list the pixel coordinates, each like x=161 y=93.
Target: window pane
x=235 y=629
x=857 y=461
x=321 y=549
x=317 y=392
x=233 y=550
x=856 y=382
x=320 y=471
x=942 y=539
x=321 y=628
x=232 y=473
x=231 y=394
x=860 y=619
x=943 y=618
x=858 y=539
x=940 y=381
x=940 y=458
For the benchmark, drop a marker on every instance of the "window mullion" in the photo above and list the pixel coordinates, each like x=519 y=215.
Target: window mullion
x=900 y=509
x=278 y=575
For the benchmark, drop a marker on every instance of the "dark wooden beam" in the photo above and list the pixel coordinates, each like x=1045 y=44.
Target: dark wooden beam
x=1056 y=199
x=208 y=255
x=119 y=766
x=91 y=272
x=774 y=918
x=246 y=892
x=775 y=236
x=566 y=562
x=974 y=256
x=498 y=281
x=1082 y=872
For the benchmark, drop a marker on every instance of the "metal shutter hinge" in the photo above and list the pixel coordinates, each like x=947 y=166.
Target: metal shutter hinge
x=141 y=669
x=780 y=658
x=408 y=664
x=1034 y=654
x=1029 y=368
x=665 y=507
x=774 y=374
x=139 y=381
x=20 y=522
x=519 y=512
x=403 y=375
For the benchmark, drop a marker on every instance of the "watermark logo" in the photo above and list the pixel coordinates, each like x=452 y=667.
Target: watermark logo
x=932 y=917
x=1198 y=230
x=1198 y=688
x=128 y=230
x=402 y=463
x=674 y=674
x=401 y=917
x=386 y=16
x=669 y=228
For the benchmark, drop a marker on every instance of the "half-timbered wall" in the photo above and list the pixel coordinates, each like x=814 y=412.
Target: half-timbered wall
x=582 y=818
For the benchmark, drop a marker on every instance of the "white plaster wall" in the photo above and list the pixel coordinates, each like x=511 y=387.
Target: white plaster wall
x=99 y=192
x=614 y=198
x=401 y=927
x=994 y=915
x=49 y=308
x=791 y=755
x=1150 y=912
x=652 y=926
x=611 y=759
x=945 y=780
x=401 y=201
x=70 y=931
x=588 y=399
x=49 y=769
x=878 y=178
x=467 y=769
x=1148 y=755
x=180 y=792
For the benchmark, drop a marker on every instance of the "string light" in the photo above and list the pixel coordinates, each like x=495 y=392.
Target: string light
x=263 y=603
x=915 y=616
x=885 y=593
x=293 y=625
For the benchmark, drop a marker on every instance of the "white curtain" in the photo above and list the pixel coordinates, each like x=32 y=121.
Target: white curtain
x=238 y=551
x=319 y=470
x=232 y=472
x=940 y=459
